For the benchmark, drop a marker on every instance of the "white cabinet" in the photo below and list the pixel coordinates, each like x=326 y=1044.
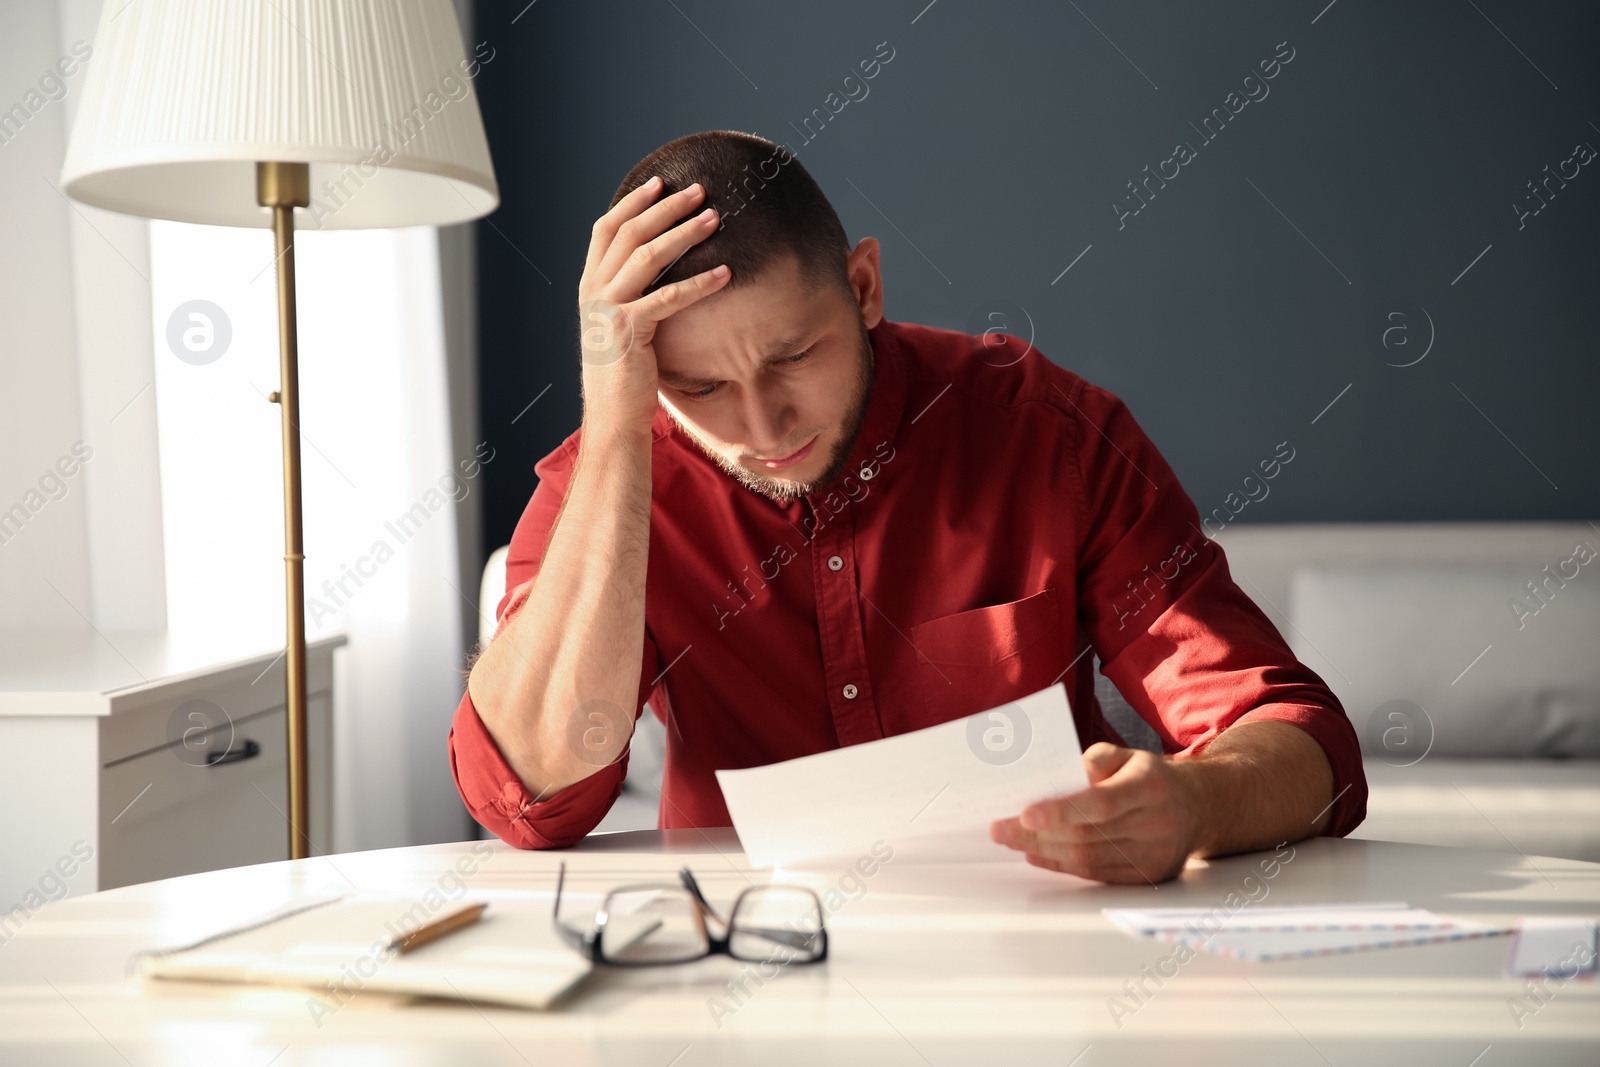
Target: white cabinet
x=127 y=756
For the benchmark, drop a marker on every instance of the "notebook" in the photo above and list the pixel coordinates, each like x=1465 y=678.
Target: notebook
x=336 y=946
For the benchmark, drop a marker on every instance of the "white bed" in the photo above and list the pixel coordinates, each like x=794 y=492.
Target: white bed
x=1404 y=608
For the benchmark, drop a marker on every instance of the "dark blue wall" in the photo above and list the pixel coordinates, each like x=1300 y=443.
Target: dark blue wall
x=1248 y=294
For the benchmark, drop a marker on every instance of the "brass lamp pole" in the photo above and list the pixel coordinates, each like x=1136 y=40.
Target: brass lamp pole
x=284 y=187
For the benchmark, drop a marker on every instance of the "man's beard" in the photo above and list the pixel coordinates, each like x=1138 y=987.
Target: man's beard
x=782 y=491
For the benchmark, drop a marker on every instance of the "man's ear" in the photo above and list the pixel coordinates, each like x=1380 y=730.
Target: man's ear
x=866 y=280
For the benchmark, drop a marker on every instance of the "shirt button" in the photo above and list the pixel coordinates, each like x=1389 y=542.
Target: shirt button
x=867 y=474
x=835 y=563
x=850 y=692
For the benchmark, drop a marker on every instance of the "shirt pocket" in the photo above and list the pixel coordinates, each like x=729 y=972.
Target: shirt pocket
x=979 y=659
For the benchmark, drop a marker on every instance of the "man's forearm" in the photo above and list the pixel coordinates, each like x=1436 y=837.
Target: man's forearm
x=558 y=688
x=1257 y=785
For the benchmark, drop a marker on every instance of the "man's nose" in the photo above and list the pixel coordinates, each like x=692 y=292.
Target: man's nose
x=768 y=420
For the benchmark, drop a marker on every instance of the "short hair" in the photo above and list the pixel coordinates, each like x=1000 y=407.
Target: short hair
x=768 y=205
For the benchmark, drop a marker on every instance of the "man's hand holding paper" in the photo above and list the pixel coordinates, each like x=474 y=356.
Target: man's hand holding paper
x=1143 y=815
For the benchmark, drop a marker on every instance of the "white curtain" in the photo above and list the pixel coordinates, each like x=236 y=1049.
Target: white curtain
x=380 y=486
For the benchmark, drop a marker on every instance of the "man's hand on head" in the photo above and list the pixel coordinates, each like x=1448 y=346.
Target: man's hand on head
x=630 y=246
x=1136 y=823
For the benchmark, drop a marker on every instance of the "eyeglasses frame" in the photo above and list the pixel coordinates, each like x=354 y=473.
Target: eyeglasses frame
x=591 y=945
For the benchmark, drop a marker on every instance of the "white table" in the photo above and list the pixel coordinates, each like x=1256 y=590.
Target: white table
x=981 y=964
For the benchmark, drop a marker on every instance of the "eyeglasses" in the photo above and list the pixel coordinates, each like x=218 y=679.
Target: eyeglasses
x=653 y=924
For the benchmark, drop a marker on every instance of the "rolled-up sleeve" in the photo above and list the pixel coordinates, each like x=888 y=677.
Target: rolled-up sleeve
x=1187 y=648
x=492 y=791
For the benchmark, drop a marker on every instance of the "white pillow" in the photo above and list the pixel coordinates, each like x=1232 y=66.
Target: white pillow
x=1439 y=659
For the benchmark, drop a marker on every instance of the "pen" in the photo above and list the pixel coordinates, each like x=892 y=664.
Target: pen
x=438 y=928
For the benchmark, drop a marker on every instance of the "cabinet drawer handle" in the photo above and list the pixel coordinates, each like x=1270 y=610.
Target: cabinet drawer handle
x=232 y=755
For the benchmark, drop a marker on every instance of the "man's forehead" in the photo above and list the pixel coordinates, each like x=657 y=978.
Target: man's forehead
x=765 y=318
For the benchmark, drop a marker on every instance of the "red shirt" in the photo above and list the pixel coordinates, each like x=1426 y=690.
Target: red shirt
x=994 y=523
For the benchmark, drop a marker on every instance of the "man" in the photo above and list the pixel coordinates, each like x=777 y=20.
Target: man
x=821 y=527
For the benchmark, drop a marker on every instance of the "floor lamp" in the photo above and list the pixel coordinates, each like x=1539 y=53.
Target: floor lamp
x=333 y=114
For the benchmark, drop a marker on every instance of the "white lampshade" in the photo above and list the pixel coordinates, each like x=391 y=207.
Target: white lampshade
x=183 y=97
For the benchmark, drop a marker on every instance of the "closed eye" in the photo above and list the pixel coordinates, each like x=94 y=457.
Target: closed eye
x=705 y=392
